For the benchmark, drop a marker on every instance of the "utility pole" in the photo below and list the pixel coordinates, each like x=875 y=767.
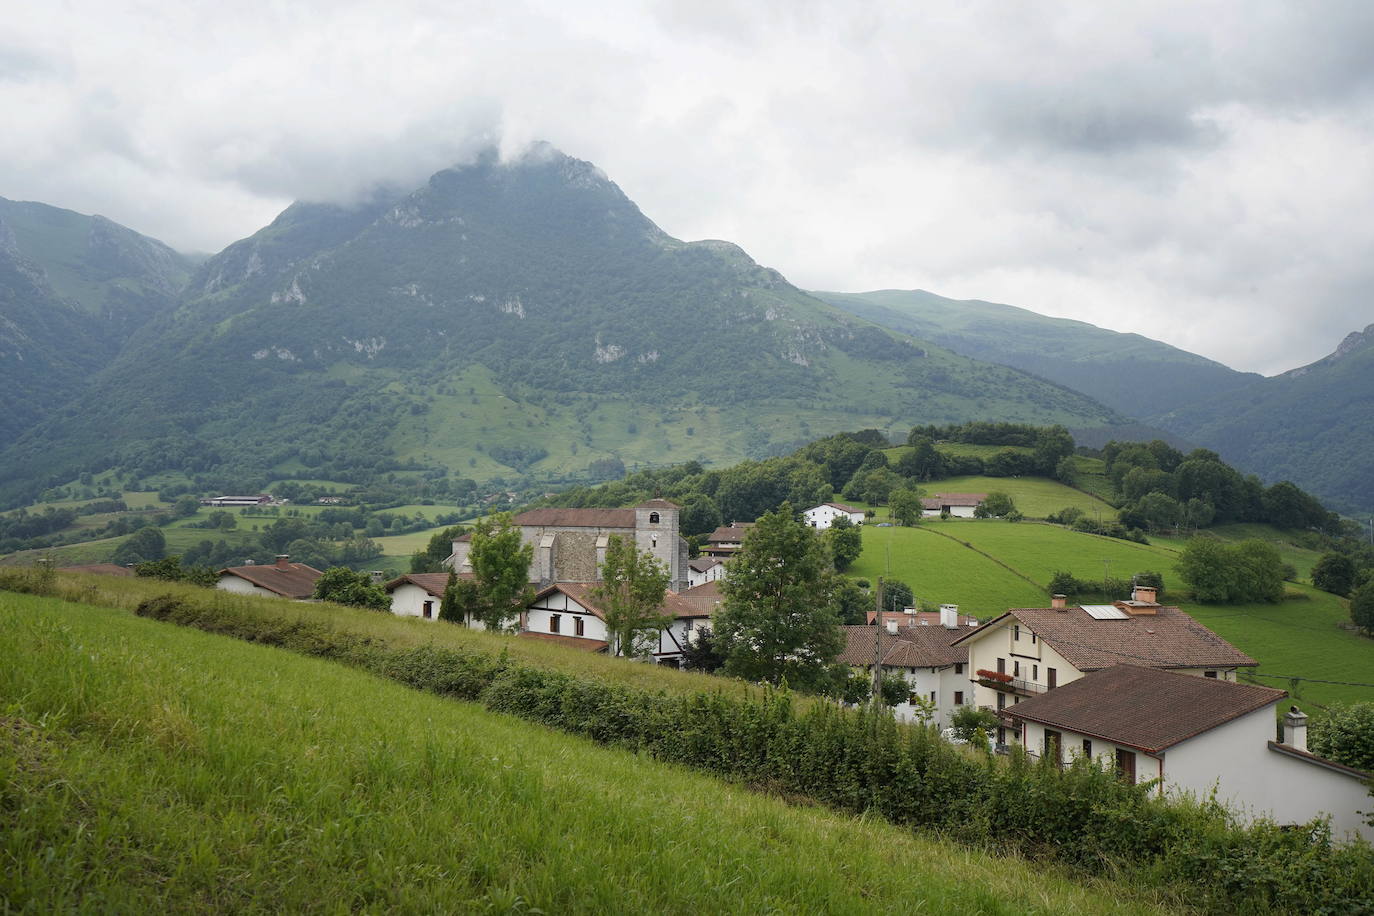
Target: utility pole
x=878 y=644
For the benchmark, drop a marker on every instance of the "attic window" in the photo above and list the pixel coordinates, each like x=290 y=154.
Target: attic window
x=653 y=518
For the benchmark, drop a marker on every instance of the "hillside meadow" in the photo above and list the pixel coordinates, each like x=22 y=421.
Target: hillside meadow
x=152 y=768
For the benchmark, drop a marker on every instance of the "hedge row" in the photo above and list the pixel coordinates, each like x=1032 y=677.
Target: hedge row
x=864 y=761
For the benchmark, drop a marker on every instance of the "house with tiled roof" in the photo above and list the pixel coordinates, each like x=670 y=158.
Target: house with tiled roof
x=420 y=594
x=726 y=540
x=282 y=579
x=823 y=516
x=959 y=505
x=920 y=649
x=701 y=570
x=570 y=544
x=570 y=613
x=1195 y=736
x=1029 y=651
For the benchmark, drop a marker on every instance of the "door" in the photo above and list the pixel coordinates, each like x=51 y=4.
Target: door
x=1051 y=678
x=1125 y=764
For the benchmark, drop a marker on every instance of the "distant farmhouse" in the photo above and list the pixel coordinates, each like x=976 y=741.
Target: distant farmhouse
x=570 y=614
x=221 y=502
x=283 y=579
x=959 y=505
x=824 y=515
x=570 y=544
x=704 y=569
x=725 y=541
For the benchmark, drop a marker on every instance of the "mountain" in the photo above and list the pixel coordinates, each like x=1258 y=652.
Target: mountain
x=1313 y=425
x=1135 y=375
x=73 y=289
x=503 y=319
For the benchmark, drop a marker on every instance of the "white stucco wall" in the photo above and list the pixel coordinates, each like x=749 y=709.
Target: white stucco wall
x=239 y=586
x=714 y=574
x=408 y=600
x=540 y=617
x=821 y=517
x=1248 y=777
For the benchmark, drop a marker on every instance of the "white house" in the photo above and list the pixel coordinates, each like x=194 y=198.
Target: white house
x=704 y=569
x=824 y=515
x=1029 y=651
x=1195 y=735
x=726 y=540
x=419 y=595
x=568 y=613
x=919 y=648
x=283 y=579
x=959 y=505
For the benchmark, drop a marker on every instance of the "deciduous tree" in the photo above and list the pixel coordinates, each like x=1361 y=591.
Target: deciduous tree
x=845 y=540
x=500 y=571
x=344 y=586
x=633 y=584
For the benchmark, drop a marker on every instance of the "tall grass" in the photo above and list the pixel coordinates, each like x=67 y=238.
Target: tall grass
x=146 y=768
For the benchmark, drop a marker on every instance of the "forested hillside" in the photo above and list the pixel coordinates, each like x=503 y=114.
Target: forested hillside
x=505 y=319
x=73 y=289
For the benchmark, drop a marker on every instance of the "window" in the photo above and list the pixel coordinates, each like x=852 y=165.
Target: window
x=1209 y=674
x=554 y=621
x=1087 y=748
x=1034 y=638
x=1016 y=631
x=932 y=696
x=1125 y=764
x=958 y=698
x=1015 y=668
x=1001 y=701
x=653 y=518
x=579 y=626
x=1001 y=666
x=1035 y=672
x=958 y=667
x=1051 y=677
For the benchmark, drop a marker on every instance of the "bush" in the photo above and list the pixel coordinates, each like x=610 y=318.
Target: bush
x=1346 y=735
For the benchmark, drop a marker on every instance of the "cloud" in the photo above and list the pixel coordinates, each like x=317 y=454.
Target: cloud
x=1177 y=169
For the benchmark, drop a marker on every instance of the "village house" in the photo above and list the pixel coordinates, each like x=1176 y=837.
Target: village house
x=701 y=570
x=824 y=515
x=419 y=595
x=1028 y=651
x=959 y=505
x=570 y=614
x=1196 y=735
x=283 y=579
x=726 y=540
x=570 y=544
x=917 y=646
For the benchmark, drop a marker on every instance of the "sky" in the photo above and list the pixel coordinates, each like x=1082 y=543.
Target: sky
x=1199 y=172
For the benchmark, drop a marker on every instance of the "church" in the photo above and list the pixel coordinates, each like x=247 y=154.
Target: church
x=570 y=544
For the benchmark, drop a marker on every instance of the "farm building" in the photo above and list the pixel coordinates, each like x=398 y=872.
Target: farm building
x=704 y=569
x=283 y=579
x=959 y=505
x=726 y=540
x=419 y=595
x=824 y=515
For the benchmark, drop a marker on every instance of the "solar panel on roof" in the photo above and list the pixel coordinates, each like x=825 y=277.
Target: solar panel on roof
x=1105 y=612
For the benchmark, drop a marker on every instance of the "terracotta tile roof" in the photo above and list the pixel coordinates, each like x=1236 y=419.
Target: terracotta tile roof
x=961 y=499
x=701 y=564
x=1143 y=708
x=658 y=504
x=99 y=569
x=434 y=583
x=842 y=507
x=577 y=518
x=463 y=538
x=1309 y=757
x=733 y=533
x=572 y=642
x=910 y=647
x=677 y=604
x=705 y=590
x=1167 y=638
x=296 y=580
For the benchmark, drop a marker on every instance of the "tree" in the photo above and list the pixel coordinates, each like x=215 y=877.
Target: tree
x=845 y=540
x=186 y=507
x=440 y=547
x=630 y=593
x=1052 y=445
x=974 y=725
x=1345 y=734
x=1159 y=511
x=1260 y=571
x=923 y=462
x=144 y=544
x=1362 y=607
x=854 y=602
x=344 y=586
x=701 y=651
x=501 y=571
x=1335 y=573
x=897 y=595
x=1206 y=566
x=998 y=504
x=905 y=506
x=780 y=618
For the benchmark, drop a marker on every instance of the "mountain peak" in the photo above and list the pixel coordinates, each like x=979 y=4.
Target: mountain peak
x=1354 y=342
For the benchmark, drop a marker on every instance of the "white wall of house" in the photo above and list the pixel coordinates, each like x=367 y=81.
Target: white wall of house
x=238 y=586
x=822 y=517
x=409 y=600
x=1236 y=761
x=540 y=618
x=714 y=574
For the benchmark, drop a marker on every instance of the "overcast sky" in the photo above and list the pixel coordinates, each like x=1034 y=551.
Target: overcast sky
x=1199 y=172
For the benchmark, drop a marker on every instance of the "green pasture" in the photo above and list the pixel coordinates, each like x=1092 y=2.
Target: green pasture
x=1035 y=497
x=1301 y=558
x=153 y=769
x=1040 y=550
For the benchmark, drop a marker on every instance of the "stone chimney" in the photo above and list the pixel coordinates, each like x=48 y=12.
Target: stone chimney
x=1295 y=728
x=949 y=616
x=1146 y=594
x=282 y=559
x=1060 y=602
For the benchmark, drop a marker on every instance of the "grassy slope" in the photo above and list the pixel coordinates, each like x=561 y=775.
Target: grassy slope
x=172 y=770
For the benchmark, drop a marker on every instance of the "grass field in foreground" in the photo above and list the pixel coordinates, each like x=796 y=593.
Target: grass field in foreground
x=146 y=767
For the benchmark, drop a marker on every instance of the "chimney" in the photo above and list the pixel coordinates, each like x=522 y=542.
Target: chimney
x=1060 y=603
x=949 y=616
x=892 y=627
x=1146 y=594
x=281 y=561
x=1295 y=728
x=376 y=575
x=250 y=562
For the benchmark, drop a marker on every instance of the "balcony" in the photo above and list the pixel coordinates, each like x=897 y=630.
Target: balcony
x=998 y=680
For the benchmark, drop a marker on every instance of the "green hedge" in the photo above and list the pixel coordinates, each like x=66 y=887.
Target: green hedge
x=864 y=761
